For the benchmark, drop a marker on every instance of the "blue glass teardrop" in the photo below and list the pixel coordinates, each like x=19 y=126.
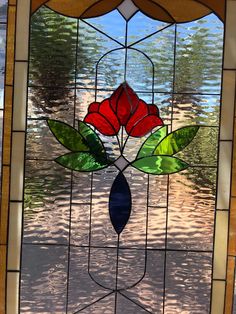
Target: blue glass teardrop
x=120 y=203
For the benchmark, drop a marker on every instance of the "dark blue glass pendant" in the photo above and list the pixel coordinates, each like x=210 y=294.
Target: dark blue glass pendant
x=120 y=203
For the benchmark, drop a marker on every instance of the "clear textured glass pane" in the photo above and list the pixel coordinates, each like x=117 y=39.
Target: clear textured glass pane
x=156 y=227
x=104 y=22
x=79 y=223
x=141 y=67
x=3 y=10
x=125 y=305
x=149 y=292
x=92 y=46
x=158 y=191
x=80 y=213
x=102 y=231
x=43 y=277
x=199 y=56
x=164 y=104
x=83 y=291
x=160 y=49
x=104 y=94
x=51 y=103
x=141 y=26
x=41 y=143
x=52 y=49
x=147 y=97
x=47 y=202
x=203 y=148
x=195 y=109
x=134 y=233
x=103 y=306
x=191 y=209
x=132 y=146
x=84 y=97
x=188 y=282
x=110 y=70
x=102 y=267
x=131 y=267
x=81 y=188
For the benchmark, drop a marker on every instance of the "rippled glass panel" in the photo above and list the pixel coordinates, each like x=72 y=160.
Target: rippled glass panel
x=55 y=66
x=3 y=10
x=120 y=214
x=44 y=272
x=199 y=53
x=47 y=203
x=88 y=64
x=188 y=282
x=103 y=24
x=159 y=48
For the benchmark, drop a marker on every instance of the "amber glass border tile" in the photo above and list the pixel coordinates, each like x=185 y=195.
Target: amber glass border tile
x=10 y=51
x=7 y=125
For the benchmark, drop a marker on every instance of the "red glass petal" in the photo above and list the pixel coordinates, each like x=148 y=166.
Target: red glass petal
x=106 y=110
x=145 y=125
x=124 y=102
x=114 y=97
x=100 y=123
x=93 y=107
x=139 y=114
x=153 y=110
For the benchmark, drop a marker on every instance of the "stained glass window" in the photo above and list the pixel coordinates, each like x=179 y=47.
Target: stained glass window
x=121 y=163
x=3 y=22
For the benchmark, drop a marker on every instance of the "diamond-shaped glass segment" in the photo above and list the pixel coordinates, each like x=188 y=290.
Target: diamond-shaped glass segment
x=121 y=163
x=127 y=9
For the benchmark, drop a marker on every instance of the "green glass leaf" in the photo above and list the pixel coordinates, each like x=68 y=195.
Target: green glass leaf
x=160 y=164
x=68 y=136
x=152 y=141
x=91 y=138
x=176 y=141
x=82 y=161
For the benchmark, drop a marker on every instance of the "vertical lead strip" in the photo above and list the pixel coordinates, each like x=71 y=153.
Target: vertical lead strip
x=71 y=183
x=117 y=271
x=126 y=50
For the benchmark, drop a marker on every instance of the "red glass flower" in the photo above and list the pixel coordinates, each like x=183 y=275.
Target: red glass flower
x=123 y=108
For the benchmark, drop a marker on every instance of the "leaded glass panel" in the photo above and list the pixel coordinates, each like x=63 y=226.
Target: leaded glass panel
x=121 y=164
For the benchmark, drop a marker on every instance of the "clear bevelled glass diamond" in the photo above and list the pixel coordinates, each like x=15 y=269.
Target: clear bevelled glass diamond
x=127 y=9
x=121 y=163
